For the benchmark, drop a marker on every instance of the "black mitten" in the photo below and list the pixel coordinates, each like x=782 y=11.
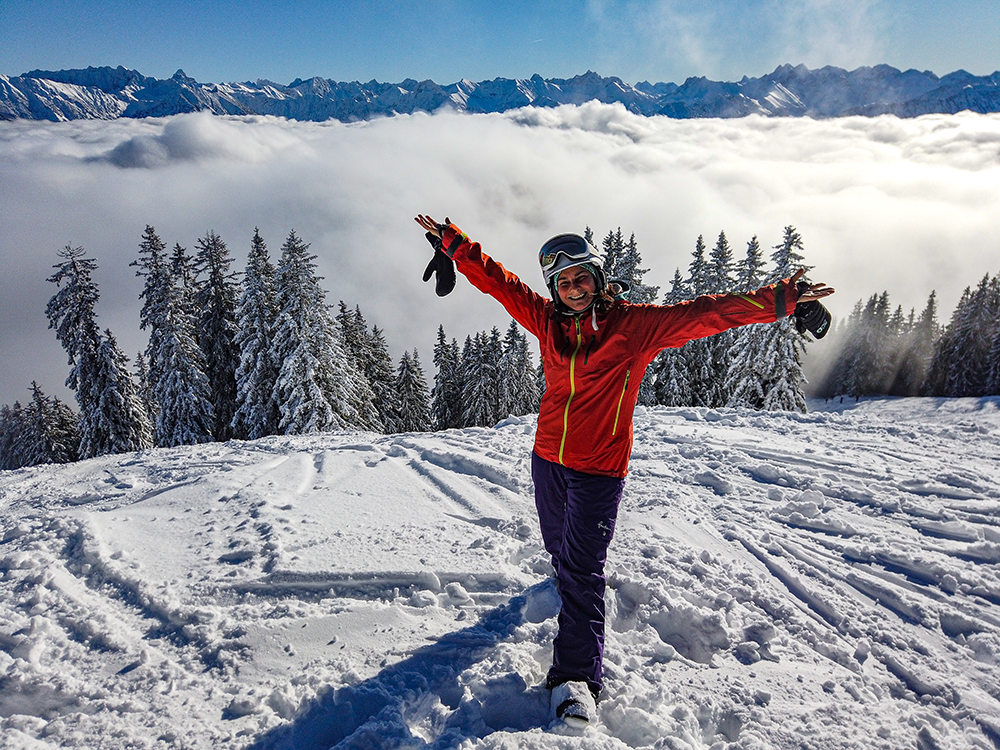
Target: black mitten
x=440 y=265
x=811 y=316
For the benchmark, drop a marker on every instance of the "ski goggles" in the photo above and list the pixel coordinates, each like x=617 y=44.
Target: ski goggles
x=572 y=247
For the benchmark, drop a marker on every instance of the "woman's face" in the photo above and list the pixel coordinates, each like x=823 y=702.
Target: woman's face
x=576 y=288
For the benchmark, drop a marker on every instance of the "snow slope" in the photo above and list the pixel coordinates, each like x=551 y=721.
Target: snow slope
x=827 y=580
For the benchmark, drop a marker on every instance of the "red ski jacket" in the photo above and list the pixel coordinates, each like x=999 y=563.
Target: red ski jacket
x=594 y=364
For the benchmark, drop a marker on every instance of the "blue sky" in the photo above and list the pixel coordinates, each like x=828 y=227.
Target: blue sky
x=665 y=40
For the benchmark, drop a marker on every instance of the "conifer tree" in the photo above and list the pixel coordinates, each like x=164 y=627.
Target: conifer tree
x=311 y=392
x=622 y=260
x=446 y=396
x=749 y=274
x=354 y=336
x=122 y=424
x=479 y=375
x=153 y=267
x=110 y=422
x=52 y=434
x=743 y=383
x=961 y=365
x=670 y=370
x=782 y=345
x=13 y=436
x=918 y=348
x=215 y=297
x=518 y=390
x=256 y=413
x=673 y=387
x=540 y=379
x=174 y=366
x=698 y=353
x=145 y=386
x=44 y=431
x=382 y=378
x=720 y=281
x=411 y=385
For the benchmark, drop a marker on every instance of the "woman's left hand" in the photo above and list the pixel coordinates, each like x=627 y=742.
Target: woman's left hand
x=813 y=291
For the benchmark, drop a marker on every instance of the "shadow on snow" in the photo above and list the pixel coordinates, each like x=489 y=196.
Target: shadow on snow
x=398 y=707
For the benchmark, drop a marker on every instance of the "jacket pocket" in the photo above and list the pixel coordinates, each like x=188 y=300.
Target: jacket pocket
x=621 y=398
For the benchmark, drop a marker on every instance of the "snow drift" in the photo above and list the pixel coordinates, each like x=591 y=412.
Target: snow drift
x=777 y=580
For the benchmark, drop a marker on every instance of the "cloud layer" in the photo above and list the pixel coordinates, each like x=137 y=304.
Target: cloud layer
x=903 y=205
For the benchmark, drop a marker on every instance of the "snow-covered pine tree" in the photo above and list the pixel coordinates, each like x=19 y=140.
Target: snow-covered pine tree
x=622 y=260
x=750 y=273
x=479 y=376
x=145 y=386
x=865 y=359
x=720 y=281
x=311 y=392
x=13 y=436
x=414 y=405
x=107 y=423
x=52 y=434
x=516 y=381
x=843 y=377
x=698 y=353
x=215 y=298
x=256 y=414
x=353 y=330
x=743 y=383
x=782 y=345
x=961 y=364
x=122 y=425
x=993 y=377
x=176 y=383
x=671 y=373
x=382 y=379
x=446 y=395
x=673 y=387
x=182 y=270
x=71 y=313
x=154 y=268
x=492 y=352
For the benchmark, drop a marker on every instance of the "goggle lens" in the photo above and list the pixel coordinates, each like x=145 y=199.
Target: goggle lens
x=548 y=258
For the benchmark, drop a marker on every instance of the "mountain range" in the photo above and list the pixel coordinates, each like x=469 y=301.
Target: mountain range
x=108 y=93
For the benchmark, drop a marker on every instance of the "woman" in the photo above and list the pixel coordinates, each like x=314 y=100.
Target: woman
x=595 y=350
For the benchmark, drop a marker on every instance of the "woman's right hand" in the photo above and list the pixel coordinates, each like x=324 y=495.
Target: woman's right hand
x=429 y=224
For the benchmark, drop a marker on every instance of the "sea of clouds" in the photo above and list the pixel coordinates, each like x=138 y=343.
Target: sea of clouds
x=907 y=206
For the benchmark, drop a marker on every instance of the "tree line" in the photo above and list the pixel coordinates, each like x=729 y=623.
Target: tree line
x=246 y=356
x=886 y=352
x=262 y=353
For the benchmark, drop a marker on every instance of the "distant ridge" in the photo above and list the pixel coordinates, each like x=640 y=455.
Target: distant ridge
x=108 y=93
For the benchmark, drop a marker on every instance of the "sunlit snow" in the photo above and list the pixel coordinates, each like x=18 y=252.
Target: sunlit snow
x=827 y=580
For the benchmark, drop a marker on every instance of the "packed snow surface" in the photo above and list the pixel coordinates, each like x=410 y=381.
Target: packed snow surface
x=777 y=580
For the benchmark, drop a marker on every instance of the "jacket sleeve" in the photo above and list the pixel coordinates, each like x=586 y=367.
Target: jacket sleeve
x=672 y=326
x=525 y=306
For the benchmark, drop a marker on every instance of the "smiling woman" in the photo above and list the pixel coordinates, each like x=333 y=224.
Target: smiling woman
x=595 y=351
x=881 y=203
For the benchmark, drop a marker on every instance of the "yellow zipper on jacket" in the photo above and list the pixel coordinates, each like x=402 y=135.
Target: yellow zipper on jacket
x=621 y=398
x=572 y=389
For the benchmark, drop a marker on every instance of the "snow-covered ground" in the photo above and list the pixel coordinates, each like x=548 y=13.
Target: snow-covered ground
x=829 y=580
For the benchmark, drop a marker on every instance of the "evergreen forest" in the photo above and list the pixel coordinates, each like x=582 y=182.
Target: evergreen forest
x=263 y=352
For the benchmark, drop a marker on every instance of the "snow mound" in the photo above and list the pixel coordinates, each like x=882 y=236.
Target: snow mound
x=776 y=580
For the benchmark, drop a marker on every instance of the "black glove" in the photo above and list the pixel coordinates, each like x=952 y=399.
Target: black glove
x=442 y=266
x=811 y=316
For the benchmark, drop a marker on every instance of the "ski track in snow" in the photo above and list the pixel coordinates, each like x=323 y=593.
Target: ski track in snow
x=821 y=580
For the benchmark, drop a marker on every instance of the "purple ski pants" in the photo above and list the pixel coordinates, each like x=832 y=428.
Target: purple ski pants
x=577 y=514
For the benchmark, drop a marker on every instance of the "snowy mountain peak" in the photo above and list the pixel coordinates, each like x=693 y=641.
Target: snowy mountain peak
x=106 y=93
